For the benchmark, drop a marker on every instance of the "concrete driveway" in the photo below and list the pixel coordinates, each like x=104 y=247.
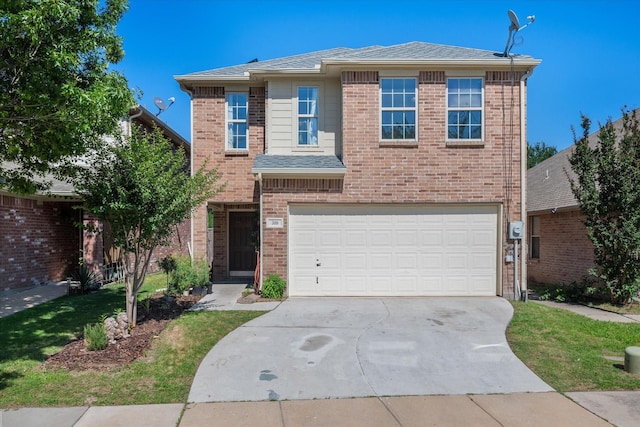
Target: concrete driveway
x=318 y=348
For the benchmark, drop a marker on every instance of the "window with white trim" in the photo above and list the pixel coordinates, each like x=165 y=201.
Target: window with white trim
x=237 y=127
x=464 y=108
x=307 y=115
x=398 y=108
x=534 y=243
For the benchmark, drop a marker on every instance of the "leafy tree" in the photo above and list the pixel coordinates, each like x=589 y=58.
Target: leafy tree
x=539 y=152
x=141 y=186
x=607 y=187
x=57 y=96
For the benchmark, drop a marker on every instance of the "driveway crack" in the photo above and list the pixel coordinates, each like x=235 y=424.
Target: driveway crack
x=357 y=345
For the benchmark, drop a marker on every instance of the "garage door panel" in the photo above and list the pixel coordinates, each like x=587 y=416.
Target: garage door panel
x=431 y=285
x=407 y=261
x=406 y=238
x=355 y=285
x=355 y=238
x=393 y=250
x=432 y=238
x=331 y=238
x=432 y=262
x=302 y=239
x=381 y=285
x=380 y=261
x=380 y=239
x=357 y=261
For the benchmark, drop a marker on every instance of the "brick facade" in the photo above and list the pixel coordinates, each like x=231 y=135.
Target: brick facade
x=39 y=241
x=429 y=170
x=566 y=253
x=234 y=166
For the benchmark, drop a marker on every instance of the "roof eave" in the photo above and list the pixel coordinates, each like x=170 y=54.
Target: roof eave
x=254 y=74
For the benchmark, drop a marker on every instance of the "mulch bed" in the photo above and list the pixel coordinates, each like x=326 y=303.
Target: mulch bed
x=75 y=356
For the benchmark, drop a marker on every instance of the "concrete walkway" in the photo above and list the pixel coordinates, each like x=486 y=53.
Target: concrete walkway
x=21 y=300
x=516 y=409
x=592 y=313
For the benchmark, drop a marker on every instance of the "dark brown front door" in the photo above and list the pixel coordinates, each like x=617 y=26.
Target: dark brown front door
x=242 y=251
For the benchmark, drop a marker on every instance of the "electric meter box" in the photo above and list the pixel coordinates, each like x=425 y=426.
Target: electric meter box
x=516 y=230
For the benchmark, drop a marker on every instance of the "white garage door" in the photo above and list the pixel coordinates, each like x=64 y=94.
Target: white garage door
x=392 y=250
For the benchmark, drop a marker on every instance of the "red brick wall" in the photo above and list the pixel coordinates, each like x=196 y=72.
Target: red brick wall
x=566 y=253
x=209 y=142
x=426 y=172
x=38 y=241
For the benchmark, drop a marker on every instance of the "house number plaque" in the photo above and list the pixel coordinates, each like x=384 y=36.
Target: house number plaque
x=275 y=223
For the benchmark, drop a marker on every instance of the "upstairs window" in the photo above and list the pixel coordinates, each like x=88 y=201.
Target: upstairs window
x=307 y=115
x=398 y=109
x=237 y=129
x=464 y=108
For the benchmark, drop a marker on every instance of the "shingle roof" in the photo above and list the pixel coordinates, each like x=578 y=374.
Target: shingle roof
x=419 y=51
x=548 y=184
x=291 y=164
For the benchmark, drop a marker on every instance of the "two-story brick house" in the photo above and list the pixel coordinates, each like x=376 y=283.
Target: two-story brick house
x=373 y=171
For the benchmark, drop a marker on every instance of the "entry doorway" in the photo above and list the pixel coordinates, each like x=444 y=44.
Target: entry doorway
x=242 y=243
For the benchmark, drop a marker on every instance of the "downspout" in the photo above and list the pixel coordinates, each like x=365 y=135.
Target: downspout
x=523 y=186
x=190 y=244
x=261 y=237
x=138 y=114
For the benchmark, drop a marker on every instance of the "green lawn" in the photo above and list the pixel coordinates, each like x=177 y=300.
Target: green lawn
x=568 y=350
x=164 y=376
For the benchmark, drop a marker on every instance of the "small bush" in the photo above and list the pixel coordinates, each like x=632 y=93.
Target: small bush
x=95 y=336
x=87 y=278
x=188 y=274
x=273 y=287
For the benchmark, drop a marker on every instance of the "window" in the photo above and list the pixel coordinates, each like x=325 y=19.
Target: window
x=398 y=109
x=307 y=115
x=237 y=129
x=464 y=108
x=534 y=244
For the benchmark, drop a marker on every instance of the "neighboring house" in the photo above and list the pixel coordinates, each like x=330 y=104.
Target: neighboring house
x=560 y=250
x=385 y=170
x=40 y=241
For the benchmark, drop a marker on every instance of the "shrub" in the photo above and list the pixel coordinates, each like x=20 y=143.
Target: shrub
x=95 y=336
x=87 y=278
x=273 y=287
x=188 y=274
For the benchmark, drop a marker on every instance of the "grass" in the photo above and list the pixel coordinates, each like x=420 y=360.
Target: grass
x=164 y=376
x=568 y=350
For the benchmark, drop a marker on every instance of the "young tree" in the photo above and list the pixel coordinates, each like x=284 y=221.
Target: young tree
x=607 y=187
x=57 y=96
x=539 y=152
x=142 y=187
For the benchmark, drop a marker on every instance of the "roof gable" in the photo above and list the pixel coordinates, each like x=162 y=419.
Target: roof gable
x=548 y=185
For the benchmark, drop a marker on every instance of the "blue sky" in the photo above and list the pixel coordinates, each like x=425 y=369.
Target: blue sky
x=590 y=49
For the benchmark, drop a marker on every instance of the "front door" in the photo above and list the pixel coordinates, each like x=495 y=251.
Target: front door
x=242 y=249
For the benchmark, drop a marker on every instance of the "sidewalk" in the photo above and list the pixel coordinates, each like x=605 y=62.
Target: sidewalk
x=519 y=409
x=528 y=409
x=22 y=300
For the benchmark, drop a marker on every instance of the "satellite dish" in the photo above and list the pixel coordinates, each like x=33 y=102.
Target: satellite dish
x=515 y=22
x=160 y=104
x=514 y=28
